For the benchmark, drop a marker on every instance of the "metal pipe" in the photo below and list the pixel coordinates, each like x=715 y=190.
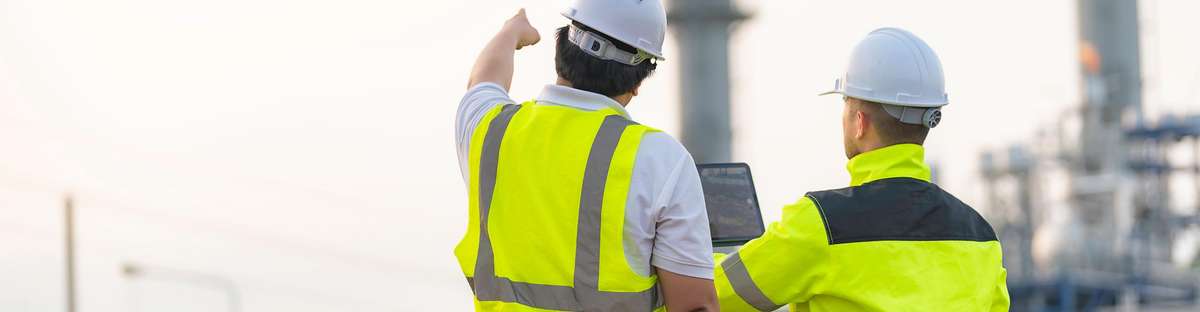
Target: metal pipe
x=69 y=237
x=703 y=28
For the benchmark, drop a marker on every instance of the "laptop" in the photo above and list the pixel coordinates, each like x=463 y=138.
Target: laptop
x=734 y=217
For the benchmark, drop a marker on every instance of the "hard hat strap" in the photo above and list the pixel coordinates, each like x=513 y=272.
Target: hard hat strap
x=601 y=48
x=928 y=117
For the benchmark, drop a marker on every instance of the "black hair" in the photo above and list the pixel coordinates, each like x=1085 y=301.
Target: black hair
x=589 y=73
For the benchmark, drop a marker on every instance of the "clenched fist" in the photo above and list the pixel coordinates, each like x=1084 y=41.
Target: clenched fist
x=526 y=34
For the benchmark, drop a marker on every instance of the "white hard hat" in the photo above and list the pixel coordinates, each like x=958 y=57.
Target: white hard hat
x=892 y=66
x=638 y=23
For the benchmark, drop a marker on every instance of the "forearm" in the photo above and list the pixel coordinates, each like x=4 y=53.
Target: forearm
x=687 y=294
x=495 y=62
x=787 y=264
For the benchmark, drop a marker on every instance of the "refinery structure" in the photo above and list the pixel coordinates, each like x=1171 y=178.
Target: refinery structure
x=1084 y=208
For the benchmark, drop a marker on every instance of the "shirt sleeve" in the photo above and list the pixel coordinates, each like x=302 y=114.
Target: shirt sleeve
x=478 y=100
x=786 y=265
x=682 y=244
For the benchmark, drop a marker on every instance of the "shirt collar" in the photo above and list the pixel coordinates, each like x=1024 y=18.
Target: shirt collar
x=896 y=161
x=571 y=97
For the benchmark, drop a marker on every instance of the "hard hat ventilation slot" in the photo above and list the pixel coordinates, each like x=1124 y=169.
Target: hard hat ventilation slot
x=932 y=117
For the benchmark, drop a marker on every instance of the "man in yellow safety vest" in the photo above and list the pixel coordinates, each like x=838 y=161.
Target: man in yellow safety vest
x=573 y=205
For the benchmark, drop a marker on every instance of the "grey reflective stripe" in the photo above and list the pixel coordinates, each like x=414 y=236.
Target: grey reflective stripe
x=591 y=201
x=587 y=238
x=540 y=296
x=739 y=278
x=489 y=287
x=486 y=285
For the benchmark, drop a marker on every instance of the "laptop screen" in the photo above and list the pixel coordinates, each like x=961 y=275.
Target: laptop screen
x=733 y=212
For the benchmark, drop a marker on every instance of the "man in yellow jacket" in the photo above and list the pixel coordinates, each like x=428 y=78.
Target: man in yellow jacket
x=892 y=241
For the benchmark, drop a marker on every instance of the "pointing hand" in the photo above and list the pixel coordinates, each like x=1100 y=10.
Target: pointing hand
x=526 y=34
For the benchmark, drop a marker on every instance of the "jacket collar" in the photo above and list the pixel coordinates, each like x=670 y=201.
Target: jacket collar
x=896 y=161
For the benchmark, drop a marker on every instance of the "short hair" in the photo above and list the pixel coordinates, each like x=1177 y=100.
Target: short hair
x=890 y=130
x=589 y=73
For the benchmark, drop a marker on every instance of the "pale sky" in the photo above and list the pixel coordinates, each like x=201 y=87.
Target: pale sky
x=304 y=150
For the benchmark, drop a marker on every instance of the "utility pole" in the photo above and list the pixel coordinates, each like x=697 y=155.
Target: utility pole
x=703 y=28
x=69 y=229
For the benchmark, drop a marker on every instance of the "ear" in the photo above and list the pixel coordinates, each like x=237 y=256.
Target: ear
x=635 y=89
x=860 y=127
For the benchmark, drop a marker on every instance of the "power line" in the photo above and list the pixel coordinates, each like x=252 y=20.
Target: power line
x=262 y=237
x=257 y=285
x=89 y=199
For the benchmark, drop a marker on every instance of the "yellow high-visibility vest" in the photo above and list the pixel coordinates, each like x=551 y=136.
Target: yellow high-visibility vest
x=892 y=241
x=548 y=187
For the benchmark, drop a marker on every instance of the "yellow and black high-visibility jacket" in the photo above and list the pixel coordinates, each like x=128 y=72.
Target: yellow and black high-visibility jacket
x=892 y=241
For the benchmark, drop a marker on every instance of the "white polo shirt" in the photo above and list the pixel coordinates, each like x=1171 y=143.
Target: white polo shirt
x=666 y=225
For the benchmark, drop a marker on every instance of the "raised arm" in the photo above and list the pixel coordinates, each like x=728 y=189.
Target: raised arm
x=495 y=62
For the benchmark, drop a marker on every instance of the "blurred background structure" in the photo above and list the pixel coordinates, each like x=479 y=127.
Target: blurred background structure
x=703 y=29
x=268 y=155
x=1115 y=241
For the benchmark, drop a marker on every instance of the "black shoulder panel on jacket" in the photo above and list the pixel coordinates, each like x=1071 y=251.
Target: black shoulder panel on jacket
x=898 y=209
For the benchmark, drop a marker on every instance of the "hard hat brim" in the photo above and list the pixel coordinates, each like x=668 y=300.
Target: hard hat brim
x=886 y=101
x=840 y=88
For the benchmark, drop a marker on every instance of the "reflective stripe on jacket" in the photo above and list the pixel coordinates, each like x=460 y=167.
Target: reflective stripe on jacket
x=892 y=241
x=548 y=190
